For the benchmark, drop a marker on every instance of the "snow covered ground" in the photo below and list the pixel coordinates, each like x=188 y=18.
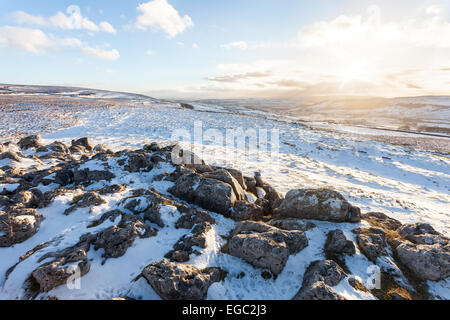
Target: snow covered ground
x=406 y=184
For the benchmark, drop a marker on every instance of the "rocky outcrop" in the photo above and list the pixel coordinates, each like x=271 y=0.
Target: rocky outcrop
x=116 y=239
x=180 y=281
x=427 y=253
x=428 y=262
x=265 y=246
x=318 y=280
x=33 y=141
x=18 y=225
x=184 y=247
x=422 y=233
x=85 y=143
x=292 y=224
x=210 y=194
x=378 y=219
x=372 y=241
x=337 y=244
x=321 y=204
x=88 y=199
x=68 y=263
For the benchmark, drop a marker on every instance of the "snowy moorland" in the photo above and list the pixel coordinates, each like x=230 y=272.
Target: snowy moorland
x=113 y=209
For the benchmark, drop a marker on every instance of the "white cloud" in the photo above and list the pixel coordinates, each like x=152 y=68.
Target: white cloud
x=107 y=27
x=149 y=52
x=73 y=20
x=101 y=53
x=241 y=45
x=160 y=15
x=195 y=46
x=31 y=40
x=24 y=18
x=430 y=29
x=37 y=42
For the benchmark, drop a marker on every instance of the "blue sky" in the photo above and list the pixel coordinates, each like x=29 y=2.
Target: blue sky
x=226 y=49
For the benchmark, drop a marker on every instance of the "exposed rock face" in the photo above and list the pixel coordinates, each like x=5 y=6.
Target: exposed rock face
x=337 y=244
x=271 y=194
x=184 y=246
x=247 y=211
x=29 y=199
x=318 y=280
x=33 y=141
x=224 y=176
x=292 y=224
x=372 y=242
x=428 y=253
x=116 y=240
x=10 y=155
x=87 y=176
x=66 y=264
x=86 y=200
x=180 y=281
x=322 y=204
x=138 y=162
x=265 y=246
x=18 y=225
x=422 y=233
x=428 y=262
x=83 y=142
x=115 y=188
x=381 y=220
x=193 y=217
x=210 y=194
x=64 y=177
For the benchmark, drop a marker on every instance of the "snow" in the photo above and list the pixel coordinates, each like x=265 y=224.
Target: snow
x=9 y=187
x=407 y=184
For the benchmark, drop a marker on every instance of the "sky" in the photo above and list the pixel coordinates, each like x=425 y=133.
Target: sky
x=194 y=49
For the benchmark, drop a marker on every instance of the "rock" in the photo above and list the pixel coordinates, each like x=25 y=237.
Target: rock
x=378 y=219
x=116 y=240
x=337 y=244
x=100 y=148
x=238 y=176
x=422 y=233
x=193 y=217
x=33 y=198
x=250 y=182
x=10 y=155
x=180 y=281
x=224 y=176
x=318 y=280
x=321 y=204
x=87 y=176
x=138 y=162
x=66 y=264
x=64 y=177
x=18 y=225
x=115 y=188
x=272 y=195
x=247 y=211
x=265 y=246
x=428 y=262
x=184 y=246
x=372 y=242
x=152 y=147
x=33 y=141
x=85 y=143
x=210 y=194
x=88 y=199
x=292 y=224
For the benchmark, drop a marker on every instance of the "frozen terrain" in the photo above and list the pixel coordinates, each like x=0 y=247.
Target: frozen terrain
x=408 y=184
